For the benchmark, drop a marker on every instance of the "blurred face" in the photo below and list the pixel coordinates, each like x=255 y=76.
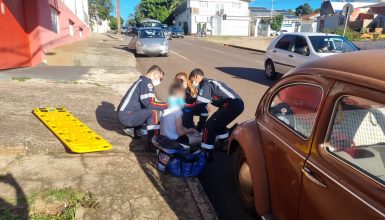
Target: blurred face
x=180 y=94
x=177 y=99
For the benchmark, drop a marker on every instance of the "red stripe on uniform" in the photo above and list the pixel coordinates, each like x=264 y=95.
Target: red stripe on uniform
x=154 y=103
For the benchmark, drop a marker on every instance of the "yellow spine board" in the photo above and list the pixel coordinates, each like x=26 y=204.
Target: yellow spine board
x=71 y=131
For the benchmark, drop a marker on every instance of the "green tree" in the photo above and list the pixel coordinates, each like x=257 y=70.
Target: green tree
x=291 y=11
x=99 y=10
x=155 y=9
x=276 y=22
x=303 y=9
x=131 y=20
x=113 y=23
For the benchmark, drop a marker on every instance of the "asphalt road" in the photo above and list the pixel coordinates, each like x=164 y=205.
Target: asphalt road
x=240 y=69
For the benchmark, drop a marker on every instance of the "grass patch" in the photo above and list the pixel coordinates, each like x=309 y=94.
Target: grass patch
x=53 y=204
x=21 y=78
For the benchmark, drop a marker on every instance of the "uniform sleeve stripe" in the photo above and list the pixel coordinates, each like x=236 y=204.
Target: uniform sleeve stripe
x=146 y=96
x=229 y=94
x=204 y=100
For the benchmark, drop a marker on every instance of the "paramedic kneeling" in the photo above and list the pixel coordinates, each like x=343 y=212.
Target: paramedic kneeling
x=139 y=105
x=229 y=103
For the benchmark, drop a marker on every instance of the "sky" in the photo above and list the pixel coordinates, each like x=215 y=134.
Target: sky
x=128 y=6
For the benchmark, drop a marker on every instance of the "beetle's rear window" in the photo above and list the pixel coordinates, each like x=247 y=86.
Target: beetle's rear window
x=358 y=135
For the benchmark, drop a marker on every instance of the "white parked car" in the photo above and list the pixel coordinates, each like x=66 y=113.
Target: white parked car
x=292 y=49
x=151 y=41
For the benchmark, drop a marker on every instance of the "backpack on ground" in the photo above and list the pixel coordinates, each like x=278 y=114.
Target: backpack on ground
x=176 y=159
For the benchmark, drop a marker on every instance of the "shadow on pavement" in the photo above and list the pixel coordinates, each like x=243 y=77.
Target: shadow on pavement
x=251 y=74
x=107 y=117
x=218 y=181
x=7 y=209
x=174 y=190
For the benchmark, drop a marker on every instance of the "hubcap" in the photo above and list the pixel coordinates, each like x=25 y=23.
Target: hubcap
x=245 y=182
x=269 y=69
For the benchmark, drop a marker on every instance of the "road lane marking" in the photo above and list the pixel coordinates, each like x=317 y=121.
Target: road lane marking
x=179 y=55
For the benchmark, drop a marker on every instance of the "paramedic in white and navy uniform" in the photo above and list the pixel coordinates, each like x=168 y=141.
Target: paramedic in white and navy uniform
x=229 y=103
x=140 y=105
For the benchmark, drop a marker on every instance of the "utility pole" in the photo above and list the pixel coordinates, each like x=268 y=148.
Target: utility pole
x=271 y=10
x=118 y=16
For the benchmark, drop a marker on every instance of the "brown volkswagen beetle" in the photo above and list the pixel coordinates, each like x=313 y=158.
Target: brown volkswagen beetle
x=316 y=147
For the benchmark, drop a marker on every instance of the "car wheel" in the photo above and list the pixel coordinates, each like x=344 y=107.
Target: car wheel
x=243 y=182
x=270 y=70
x=165 y=55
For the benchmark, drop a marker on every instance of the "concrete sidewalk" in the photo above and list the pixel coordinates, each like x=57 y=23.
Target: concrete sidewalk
x=253 y=43
x=123 y=180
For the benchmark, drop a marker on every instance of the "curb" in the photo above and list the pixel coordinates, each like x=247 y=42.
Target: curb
x=244 y=48
x=201 y=200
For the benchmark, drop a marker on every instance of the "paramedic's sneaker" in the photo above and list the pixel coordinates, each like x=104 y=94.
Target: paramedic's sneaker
x=130 y=132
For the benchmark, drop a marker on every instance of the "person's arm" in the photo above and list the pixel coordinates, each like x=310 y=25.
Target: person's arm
x=180 y=130
x=204 y=96
x=148 y=99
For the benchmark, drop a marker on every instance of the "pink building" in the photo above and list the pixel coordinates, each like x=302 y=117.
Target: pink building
x=28 y=28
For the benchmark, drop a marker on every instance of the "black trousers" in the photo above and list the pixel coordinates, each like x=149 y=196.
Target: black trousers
x=188 y=117
x=183 y=140
x=216 y=125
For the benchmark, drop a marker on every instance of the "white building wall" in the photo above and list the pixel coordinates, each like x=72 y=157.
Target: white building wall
x=101 y=27
x=79 y=8
x=235 y=27
x=210 y=13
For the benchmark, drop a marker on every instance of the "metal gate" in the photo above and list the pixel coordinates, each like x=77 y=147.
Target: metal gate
x=263 y=28
x=14 y=43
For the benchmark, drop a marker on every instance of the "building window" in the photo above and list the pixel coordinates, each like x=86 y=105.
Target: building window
x=236 y=5
x=71 y=28
x=204 y=4
x=55 y=20
x=81 y=32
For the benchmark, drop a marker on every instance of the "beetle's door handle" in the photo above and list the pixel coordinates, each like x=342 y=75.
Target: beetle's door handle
x=290 y=55
x=312 y=178
x=274 y=51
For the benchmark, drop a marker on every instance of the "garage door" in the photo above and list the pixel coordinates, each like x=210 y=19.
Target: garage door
x=14 y=46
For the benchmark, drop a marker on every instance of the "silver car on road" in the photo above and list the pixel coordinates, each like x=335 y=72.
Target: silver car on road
x=151 y=41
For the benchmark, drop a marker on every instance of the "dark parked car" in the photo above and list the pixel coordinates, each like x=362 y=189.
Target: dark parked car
x=177 y=32
x=167 y=31
x=316 y=147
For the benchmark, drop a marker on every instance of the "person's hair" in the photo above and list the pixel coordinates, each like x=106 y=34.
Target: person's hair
x=192 y=90
x=196 y=72
x=155 y=68
x=176 y=88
